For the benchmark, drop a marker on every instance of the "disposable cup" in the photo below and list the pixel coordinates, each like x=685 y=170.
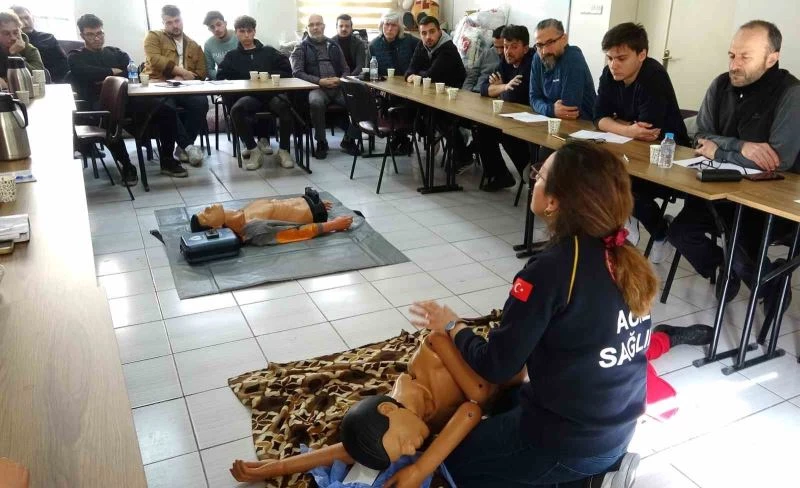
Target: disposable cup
x=553 y=125
x=655 y=151
x=390 y=72
x=497 y=106
x=452 y=93
x=254 y=76
x=276 y=79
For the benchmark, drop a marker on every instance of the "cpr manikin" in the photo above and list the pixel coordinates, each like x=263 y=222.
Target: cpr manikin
x=274 y=221
x=440 y=394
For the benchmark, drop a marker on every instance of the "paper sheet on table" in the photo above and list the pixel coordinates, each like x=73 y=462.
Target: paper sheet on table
x=187 y=82
x=22 y=176
x=526 y=117
x=695 y=163
x=607 y=136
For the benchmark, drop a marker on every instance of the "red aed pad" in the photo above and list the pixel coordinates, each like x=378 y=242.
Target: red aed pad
x=521 y=289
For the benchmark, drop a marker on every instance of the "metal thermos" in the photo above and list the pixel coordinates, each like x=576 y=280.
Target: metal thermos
x=18 y=76
x=13 y=135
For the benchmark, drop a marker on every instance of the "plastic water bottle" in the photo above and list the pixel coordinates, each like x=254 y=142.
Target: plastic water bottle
x=373 y=69
x=667 y=152
x=133 y=72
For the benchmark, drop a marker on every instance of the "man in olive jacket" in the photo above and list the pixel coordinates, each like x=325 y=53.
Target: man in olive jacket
x=13 y=42
x=169 y=54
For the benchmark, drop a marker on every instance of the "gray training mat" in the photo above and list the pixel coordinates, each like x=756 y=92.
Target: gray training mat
x=360 y=247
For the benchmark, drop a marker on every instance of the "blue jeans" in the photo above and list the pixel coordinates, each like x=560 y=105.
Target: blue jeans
x=497 y=454
x=192 y=119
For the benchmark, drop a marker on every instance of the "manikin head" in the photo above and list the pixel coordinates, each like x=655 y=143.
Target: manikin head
x=216 y=24
x=379 y=430
x=755 y=48
x=171 y=18
x=212 y=216
x=626 y=49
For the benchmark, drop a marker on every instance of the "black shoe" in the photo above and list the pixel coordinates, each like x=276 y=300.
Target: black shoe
x=733 y=287
x=402 y=145
x=322 y=150
x=694 y=335
x=129 y=176
x=462 y=166
x=350 y=147
x=173 y=168
x=499 y=182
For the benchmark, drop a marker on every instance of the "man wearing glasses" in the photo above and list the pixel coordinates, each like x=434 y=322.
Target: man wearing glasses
x=90 y=66
x=636 y=99
x=561 y=83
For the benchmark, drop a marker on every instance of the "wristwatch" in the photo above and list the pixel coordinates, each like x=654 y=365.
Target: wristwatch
x=450 y=326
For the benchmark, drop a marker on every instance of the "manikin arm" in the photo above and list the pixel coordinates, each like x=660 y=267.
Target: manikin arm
x=264 y=470
x=474 y=387
x=460 y=424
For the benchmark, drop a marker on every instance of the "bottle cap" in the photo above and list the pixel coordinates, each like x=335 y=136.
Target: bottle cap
x=669 y=135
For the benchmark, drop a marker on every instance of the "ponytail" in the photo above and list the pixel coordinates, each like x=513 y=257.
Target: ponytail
x=634 y=277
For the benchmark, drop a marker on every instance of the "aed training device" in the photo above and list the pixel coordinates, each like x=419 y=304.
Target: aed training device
x=208 y=245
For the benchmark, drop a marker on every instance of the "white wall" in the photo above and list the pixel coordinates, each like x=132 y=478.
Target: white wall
x=783 y=13
x=277 y=20
x=124 y=22
x=586 y=30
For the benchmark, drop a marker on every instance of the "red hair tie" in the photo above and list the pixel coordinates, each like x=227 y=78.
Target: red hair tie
x=617 y=239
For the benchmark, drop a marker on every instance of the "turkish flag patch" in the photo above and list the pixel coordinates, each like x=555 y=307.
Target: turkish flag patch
x=521 y=289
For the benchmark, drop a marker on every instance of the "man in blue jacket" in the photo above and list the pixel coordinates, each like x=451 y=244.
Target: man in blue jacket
x=510 y=83
x=251 y=55
x=561 y=83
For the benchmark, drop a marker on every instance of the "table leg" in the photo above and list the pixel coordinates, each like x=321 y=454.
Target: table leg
x=712 y=355
x=751 y=306
x=303 y=148
x=450 y=184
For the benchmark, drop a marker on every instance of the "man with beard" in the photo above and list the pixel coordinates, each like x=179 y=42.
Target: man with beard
x=219 y=44
x=169 y=54
x=53 y=56
x=353 y=47
x=748 y=117
x=510 y=83
x=561 y=83
x=320 y=60
x=91 y=65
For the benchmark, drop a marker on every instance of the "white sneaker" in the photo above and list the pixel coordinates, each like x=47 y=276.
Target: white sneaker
x=180 y=154
x=247 y=152
x=263 y=146
x=195 y=155
x=632 y=226
x=625 y=477
x=661 y=251
x=285 y=159
x=255 y=161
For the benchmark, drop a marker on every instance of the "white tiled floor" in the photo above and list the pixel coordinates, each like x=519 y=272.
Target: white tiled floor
x=731 y=431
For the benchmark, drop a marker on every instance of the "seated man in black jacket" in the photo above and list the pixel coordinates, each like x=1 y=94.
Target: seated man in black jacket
x=251 y=55
x=511 y=82
x=636 y=99
x=90 y=66
x=53 y=56
x=437 y=58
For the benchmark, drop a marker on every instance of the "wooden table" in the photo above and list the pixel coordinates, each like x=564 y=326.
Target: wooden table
x=215 y=88
x=64 y=409
x=241 y=87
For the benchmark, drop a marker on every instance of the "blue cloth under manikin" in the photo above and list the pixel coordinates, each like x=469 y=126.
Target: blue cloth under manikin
x=332 y=476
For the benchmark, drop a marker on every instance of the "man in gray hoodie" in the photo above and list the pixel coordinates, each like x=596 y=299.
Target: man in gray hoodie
x=321 y=61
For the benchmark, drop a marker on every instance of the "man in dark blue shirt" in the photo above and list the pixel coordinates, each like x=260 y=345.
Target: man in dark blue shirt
x=636 y=99
x=509 y=83
x=561 y=83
